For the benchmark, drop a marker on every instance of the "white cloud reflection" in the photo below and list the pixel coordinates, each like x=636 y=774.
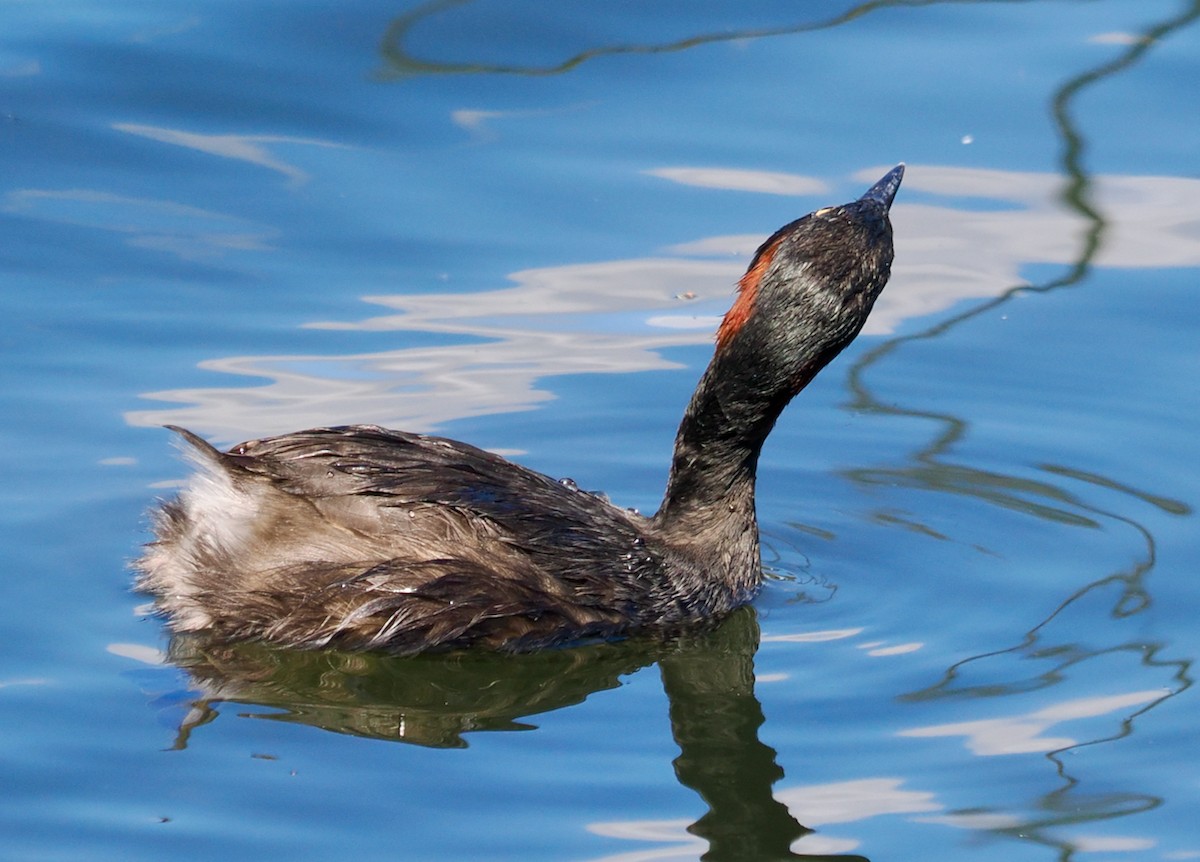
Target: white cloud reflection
x=879 y=649
x=988 y=821
x=734 y=179
x=138 y=652
x=616 y=316
x=188 y=232
x=817 y=805
x=1022 y=734
x=244 y=148
x=813 y=637
x=814 y=805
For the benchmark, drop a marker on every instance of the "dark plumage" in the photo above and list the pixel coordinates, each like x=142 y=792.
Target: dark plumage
x=365 y=538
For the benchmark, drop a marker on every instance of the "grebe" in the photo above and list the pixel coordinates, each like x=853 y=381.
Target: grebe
x=363 y=538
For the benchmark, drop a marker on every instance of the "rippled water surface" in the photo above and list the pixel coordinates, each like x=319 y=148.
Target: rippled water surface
x=517 y=223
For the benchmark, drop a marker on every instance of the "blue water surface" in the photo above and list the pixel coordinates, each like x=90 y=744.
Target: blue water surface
x=517 y=223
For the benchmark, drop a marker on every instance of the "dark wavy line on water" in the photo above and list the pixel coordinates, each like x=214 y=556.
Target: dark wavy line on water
x=400 y=63
x=1065 y=804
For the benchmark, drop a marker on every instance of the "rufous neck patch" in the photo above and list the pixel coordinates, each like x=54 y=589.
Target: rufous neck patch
x=743 y=306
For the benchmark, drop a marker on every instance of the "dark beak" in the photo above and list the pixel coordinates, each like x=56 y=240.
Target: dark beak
x=885 y=190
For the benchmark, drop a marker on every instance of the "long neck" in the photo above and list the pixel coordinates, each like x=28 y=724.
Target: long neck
x=740 y=396
x=731 y=413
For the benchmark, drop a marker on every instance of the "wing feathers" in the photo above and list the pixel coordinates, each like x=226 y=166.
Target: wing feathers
x=369 y=538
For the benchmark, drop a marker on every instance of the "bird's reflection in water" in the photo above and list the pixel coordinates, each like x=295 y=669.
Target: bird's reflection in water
x=433 y=700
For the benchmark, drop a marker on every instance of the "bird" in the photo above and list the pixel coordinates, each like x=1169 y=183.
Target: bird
x=357 y=537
